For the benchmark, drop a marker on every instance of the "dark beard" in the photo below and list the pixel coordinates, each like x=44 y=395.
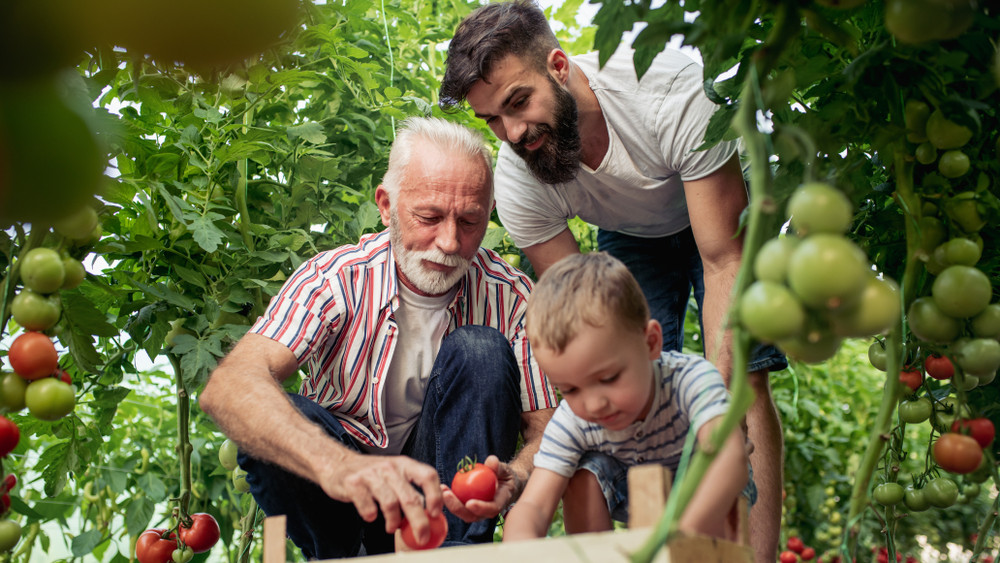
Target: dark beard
x=557 y=161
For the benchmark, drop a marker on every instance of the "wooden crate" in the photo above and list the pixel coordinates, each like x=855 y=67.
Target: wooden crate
x=649 y=486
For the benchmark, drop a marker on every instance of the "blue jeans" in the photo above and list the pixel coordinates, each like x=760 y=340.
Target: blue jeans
x=667 y=269
x=472 y=407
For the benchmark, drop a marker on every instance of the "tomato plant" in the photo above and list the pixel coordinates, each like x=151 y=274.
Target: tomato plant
x=49 y=398
x=155 y=546
x=474 y=481
x=32 y=355
x=438 y=531
x=203 y=533
x=957 y=453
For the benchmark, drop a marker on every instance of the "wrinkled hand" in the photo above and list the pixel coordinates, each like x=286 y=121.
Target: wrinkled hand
x=509 y=486
x=388 y=484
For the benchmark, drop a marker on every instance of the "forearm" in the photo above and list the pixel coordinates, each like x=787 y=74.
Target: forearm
x=721 y=485
x=525 y=521
x=718 y=296
x=523 y=463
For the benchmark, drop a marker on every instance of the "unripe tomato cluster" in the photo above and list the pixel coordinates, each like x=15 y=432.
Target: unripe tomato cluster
x=227 y=458
x=817 y=287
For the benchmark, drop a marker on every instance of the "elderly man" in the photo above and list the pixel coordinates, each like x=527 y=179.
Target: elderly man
x=416 y=357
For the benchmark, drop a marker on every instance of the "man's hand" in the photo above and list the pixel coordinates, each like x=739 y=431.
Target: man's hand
x=509 y=486
x=398 y=486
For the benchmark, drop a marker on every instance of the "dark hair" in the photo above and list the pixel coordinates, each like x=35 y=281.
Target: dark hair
x=485 y=37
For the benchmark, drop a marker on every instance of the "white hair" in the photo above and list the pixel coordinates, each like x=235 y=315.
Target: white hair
x=449 y=137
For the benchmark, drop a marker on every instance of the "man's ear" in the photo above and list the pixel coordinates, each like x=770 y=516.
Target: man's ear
x=654 y=338
x=382 y=201
x=558 y=65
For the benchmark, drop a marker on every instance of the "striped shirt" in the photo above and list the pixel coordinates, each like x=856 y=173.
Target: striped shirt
x=691 y=392
x=335 y=313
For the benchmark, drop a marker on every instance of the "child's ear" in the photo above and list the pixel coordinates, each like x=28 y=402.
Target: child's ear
x=654 y=338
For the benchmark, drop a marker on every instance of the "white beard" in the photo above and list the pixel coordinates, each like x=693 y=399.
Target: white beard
x=410 y=263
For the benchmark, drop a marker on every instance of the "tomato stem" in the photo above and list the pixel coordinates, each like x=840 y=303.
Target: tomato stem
x=183 y=441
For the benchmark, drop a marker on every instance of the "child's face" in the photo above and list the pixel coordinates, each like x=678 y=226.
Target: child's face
x=605 y=372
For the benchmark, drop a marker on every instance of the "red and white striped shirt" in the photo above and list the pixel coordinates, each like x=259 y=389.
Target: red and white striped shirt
x=335 y=313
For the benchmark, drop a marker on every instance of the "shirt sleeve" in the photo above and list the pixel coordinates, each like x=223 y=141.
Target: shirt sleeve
x=700 y=392
x=562 y=443
x=304 y=312
x=530 y=211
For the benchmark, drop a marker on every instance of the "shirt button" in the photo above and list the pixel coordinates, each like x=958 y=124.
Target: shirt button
x=638 y=434
x=640 y=459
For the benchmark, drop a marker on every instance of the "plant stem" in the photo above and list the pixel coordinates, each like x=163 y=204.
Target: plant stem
x=247 y=524
x=183 y=441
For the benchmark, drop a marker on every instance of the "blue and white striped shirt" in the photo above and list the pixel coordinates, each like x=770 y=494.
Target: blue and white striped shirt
x=335 y=313
x=690 y=393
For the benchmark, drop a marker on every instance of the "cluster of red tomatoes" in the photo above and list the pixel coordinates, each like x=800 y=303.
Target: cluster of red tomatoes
x=159 y=545
x=796 y=550
x=817 y=287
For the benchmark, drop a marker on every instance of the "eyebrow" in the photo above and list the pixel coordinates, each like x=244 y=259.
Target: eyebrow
x=506 y=101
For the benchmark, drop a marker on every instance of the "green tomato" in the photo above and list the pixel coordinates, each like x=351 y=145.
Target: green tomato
x=49 y=398
x=35 y=311
x=10 y=534
x=979 y=357
x=954 y=164
x=959 y=251
x=929 y=323
x=813 y=347
x=925 y=152
x=963 y=210
x=888 y=494
x=75 y=272
x=946 y=134
x=987 y=323
x=962 y=291
x=877 y=355
x=42 y=270
x=915 y=500
x=79 y=224
x=240 y=480
x=915 y=411
x=941 y=492
x=757 y=307
x=12 y=388
x=512 y=259
x=182 y=555
x=828 y=271
x=771 y=261
x=875 y=312
x=227 y=455
x=915 y=118
x=818 y=207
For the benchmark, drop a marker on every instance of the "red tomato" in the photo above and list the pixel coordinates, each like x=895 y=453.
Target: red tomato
x=957 y=453
x=4 y=503
x=151 y=547
x=808 y=554
x=788 y=557
x=981 y=430
x=795 y=544
x=202 y=534
x=63 y=376
x=939 y=367
x=474 y=481
x=9 y=482
x=439 y=529
x=32 y=355
x=911 y=378
x=9 y=436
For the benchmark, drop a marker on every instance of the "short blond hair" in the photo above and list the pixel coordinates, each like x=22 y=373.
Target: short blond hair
x=594 y=289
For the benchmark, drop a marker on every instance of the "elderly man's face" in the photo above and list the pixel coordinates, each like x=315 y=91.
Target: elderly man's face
x=438 y=219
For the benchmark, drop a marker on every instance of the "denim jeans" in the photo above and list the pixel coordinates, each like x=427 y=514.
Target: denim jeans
x=667 y=269
x=472 y=407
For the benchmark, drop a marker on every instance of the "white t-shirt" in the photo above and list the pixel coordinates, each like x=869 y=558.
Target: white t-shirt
x=422 y=322
x=653 y=126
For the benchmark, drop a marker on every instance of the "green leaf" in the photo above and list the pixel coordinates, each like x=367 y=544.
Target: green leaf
x=311 y=132
x=138 y=514
x=56 y=463
x=80 y=313
x=206 y=234
x=154 y=489
x=85 y=543
x=105 y=403
x=493 y=238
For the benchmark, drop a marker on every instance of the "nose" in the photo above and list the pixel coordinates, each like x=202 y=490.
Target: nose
x=447 y=237
x=514 y=129
x=596 y=404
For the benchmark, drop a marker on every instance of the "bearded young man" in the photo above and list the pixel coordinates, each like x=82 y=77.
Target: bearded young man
x=620 y=153
x=416 y=357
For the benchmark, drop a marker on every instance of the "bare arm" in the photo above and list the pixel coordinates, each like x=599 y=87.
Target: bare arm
x=545 y=254
x=714 y=205
x=246 y=400
x=720 y=486
x=511 y=477
x=532 y=515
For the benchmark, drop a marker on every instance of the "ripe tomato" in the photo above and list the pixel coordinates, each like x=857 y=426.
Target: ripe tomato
x=10 y=534
x=939 y=367
x=788 y=557
x=439 y=530
x=915 y=411
x=758 y=304
x=9 y=436
x=888 y=494
x=981 y=429
x=152 y=547
x=808 y=554
x=32 y=355
x=35 y=311
x=9 y=482
x=911 y=378
x=474 y=481
x=941 y=492
x=962 y=291
x=956 y=453
x=203 y=533
x=42 y=270
x=49 y=398
x=795 y=544
x=818 y=207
